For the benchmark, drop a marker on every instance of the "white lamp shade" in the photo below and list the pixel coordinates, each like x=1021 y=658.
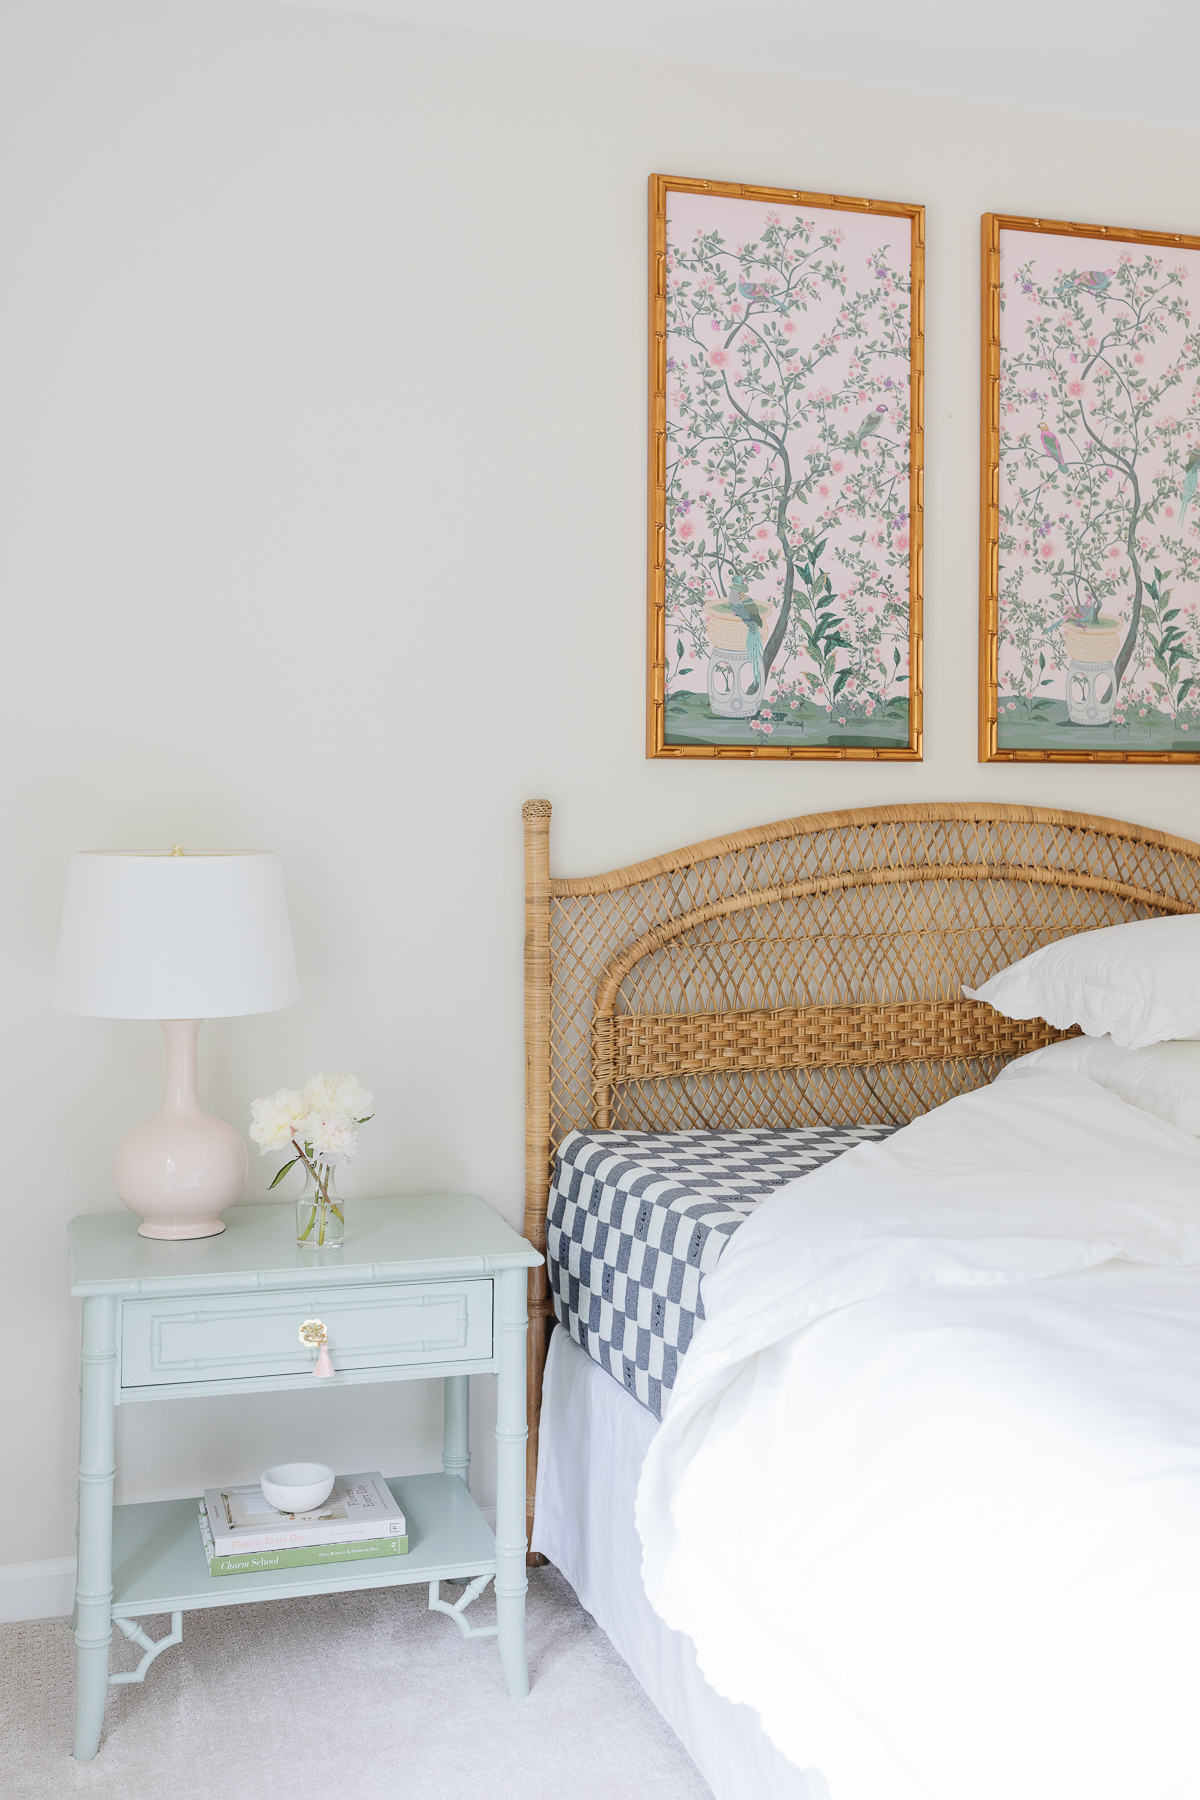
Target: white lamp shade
x=150 y=935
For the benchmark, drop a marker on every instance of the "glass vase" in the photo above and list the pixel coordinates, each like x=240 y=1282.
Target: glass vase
x=320 y=1222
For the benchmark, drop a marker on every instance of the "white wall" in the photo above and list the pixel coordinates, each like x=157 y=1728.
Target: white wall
x=323 y=525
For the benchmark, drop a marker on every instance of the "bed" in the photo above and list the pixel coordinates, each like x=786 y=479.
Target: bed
x=794 y=990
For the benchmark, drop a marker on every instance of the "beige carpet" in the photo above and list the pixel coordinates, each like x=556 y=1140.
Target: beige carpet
x=362 y=1696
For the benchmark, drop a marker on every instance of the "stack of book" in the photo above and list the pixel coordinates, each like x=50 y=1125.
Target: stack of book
x=243 y=1534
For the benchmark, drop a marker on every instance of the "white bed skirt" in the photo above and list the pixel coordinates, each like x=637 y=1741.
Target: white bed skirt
x=592 y=1442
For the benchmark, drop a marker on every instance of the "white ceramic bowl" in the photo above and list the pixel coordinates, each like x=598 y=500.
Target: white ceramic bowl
x=297 y=1487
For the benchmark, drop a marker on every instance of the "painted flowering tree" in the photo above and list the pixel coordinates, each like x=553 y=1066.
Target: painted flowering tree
x=1099 y=531
x=787 y=477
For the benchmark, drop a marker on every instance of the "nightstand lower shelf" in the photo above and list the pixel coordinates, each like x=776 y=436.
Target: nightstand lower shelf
x=159 y=1564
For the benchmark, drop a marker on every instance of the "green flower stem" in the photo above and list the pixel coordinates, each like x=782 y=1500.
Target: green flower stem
x=323 y=1204
x=314 y=1169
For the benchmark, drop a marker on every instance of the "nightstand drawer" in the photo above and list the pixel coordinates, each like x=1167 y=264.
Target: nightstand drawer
x=239 y=1336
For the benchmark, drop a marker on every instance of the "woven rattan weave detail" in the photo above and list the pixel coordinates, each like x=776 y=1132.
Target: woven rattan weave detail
x=872 y=920
x=646 y=1046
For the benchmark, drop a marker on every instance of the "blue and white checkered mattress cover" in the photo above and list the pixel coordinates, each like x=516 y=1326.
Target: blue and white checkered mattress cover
x=635 y=1221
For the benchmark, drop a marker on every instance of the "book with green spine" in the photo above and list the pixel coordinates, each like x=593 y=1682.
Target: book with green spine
x=253 y=1562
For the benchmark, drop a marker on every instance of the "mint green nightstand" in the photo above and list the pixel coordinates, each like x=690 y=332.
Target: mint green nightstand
x=424 y=1288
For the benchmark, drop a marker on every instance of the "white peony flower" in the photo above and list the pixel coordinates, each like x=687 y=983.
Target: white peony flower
x=273 y=1118
x=328 y=1136
x=339 y=1094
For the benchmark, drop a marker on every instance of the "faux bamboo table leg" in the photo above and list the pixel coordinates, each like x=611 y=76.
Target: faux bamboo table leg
x=511 y=1434
x=97 y=1471
x=456 y=1427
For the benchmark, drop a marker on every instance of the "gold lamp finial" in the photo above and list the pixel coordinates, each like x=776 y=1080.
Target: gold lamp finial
x=176 y=849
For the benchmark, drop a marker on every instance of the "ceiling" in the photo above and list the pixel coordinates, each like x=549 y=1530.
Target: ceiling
x=1108 y=61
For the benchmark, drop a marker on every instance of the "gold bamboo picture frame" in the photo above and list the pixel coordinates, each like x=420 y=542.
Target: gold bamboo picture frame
x=786 y=471
x=1089 y=612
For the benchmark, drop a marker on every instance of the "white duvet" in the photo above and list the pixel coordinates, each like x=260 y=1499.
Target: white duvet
x=927 y=1494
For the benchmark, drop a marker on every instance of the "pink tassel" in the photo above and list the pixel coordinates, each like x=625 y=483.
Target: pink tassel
x=324 y=1366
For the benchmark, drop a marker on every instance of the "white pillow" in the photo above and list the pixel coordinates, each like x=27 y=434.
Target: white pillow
x=1138 y=983
x=1163 y=1079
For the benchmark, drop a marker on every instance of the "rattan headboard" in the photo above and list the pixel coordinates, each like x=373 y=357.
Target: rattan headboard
x=804 y=972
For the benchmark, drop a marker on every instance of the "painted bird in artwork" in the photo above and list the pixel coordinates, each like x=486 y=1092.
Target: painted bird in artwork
x=871 y=423
x=1091 y=281
x=755 y=290
x=1191 y=477
x=1094 y=281
x=1051 y=446
x=749 y=612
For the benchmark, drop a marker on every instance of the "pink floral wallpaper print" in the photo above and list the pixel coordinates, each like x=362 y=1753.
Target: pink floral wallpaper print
x=1090 y=630
x=785 y=473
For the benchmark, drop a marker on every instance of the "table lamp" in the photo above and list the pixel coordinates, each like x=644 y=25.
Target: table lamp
x=179 y=936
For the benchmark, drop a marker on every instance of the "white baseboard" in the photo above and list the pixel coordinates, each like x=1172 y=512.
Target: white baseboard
x=37 y=1590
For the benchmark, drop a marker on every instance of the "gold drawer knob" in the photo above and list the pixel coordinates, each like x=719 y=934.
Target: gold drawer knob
x=314 y=1334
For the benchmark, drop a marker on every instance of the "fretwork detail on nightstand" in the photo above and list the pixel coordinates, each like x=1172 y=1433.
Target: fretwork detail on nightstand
x=153 y=1648
x=471 y=1592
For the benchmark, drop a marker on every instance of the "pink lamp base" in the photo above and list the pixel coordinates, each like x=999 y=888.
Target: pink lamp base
x=182 y=1167
x=178 y=1228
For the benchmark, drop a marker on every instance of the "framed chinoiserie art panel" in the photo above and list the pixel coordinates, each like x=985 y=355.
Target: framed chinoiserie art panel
x=786 y=432
x=1090 y=527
